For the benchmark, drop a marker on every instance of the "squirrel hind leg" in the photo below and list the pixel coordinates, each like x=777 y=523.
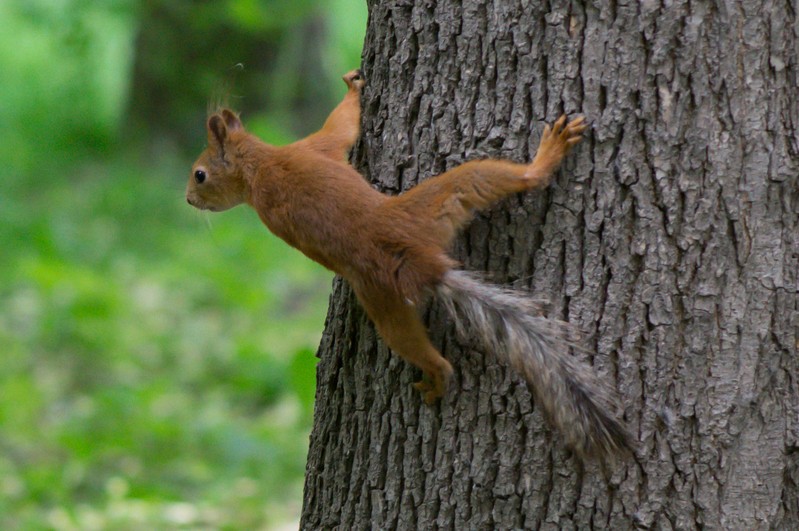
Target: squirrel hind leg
x=399 y=325
x=405 y=334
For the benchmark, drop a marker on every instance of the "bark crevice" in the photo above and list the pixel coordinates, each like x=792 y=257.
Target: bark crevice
x=671 y=237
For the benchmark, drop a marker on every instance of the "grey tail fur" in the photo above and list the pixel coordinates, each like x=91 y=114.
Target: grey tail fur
x=582 y=408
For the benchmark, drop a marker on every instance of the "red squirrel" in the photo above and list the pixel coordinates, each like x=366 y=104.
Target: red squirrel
x=393 y=251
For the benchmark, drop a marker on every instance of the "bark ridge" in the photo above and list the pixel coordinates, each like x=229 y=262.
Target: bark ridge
x=671 y=237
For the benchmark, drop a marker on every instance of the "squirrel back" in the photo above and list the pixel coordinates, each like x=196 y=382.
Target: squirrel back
x=325 y=209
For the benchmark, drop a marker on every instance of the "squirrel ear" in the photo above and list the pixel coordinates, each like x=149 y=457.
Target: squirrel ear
x=232 y=120
x=217 y=131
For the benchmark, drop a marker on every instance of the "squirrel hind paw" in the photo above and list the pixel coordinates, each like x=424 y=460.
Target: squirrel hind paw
x=434 y=385
x=428 y=392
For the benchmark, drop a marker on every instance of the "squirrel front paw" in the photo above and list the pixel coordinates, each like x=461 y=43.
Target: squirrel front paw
x=556 y=141
x=354 y=79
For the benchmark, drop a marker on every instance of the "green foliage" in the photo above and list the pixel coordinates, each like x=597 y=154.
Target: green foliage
x=279 y=62
x=157 y=367
x=151 y=359
x=58 y=52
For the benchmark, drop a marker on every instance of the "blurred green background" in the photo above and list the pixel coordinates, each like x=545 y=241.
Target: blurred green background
x=157 y=363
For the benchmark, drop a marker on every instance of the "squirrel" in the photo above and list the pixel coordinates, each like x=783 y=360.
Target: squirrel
x=393 y=252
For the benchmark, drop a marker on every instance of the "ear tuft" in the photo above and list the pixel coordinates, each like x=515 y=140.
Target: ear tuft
x=217 y=131
x=232 y=120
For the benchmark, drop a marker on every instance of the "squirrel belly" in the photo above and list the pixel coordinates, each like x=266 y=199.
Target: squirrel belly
x=393 y=252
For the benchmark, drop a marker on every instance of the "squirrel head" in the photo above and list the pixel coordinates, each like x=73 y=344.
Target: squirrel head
x=216 y=182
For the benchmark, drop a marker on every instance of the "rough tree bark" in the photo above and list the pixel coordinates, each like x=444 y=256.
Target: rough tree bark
x=671 y=237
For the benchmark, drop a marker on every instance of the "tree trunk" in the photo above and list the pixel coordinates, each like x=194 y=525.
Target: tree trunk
x=671 y=237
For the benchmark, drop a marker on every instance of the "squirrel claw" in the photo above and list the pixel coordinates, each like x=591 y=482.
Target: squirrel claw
x=558 y=125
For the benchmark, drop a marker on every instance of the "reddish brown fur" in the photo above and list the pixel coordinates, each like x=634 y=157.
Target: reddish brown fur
x=342 y=127
x=392 y=250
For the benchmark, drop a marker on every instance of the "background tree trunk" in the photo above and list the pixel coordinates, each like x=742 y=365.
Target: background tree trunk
x=671 y=237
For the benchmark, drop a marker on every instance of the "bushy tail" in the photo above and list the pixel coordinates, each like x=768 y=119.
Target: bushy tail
x=582 y=408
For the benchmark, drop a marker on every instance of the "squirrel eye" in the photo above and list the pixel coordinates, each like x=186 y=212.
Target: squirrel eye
x=199 y=176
